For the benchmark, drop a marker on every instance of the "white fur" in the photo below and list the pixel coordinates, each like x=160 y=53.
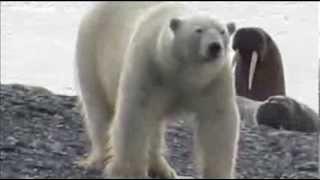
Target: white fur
x=122 y=48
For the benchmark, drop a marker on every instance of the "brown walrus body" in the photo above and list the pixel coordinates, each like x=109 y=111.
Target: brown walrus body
x=287 y=113
x=279 y=112
x=267 y=77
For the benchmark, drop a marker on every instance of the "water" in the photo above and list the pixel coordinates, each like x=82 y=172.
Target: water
x=38 y=41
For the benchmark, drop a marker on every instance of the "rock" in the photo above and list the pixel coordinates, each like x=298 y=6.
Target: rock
x=12 y=141
x=44 y=136
x=308 y=166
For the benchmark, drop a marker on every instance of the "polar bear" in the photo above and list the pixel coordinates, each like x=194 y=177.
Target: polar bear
x=136 y=63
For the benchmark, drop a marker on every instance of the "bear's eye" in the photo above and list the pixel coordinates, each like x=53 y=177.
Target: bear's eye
x=199 y=30
x=223 y=32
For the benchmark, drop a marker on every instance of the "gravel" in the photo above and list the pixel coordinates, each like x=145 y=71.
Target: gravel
x=42 y=136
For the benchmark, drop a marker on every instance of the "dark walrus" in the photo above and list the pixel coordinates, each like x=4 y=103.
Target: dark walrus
x=279 y=112
x=258 y=72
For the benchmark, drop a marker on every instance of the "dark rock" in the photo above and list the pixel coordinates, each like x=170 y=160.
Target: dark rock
x=308 y=166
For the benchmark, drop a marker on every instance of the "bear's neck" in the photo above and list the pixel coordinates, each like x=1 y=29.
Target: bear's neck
x=164 y=53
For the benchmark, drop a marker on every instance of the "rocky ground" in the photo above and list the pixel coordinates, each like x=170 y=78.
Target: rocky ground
x=42 y=136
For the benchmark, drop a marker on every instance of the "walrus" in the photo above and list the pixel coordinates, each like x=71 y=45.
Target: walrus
x=279 y=112
x=258 y=64
x=287 y=113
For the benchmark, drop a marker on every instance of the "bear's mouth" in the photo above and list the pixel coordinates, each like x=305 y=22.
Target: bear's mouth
x=210 y=59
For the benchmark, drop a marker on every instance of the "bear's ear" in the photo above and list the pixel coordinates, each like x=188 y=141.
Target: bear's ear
x=175 y=24
x=231 y=27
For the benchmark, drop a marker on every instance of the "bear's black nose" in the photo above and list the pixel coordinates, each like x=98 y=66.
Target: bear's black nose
x=214 y=49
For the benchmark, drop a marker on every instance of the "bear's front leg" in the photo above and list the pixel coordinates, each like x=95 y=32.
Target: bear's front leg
x=216 y=140
x=138 y=111
x=129 y=139
x=158 y=165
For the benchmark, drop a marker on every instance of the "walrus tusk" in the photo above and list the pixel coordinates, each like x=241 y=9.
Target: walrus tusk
x=235 y=60
x=253 y=63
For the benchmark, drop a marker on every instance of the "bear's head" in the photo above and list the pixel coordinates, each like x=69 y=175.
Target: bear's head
x=200 y=39
x=200 y=48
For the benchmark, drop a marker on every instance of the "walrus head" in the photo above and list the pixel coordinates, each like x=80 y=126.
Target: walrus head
x=250 y=44
x=274 y=111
